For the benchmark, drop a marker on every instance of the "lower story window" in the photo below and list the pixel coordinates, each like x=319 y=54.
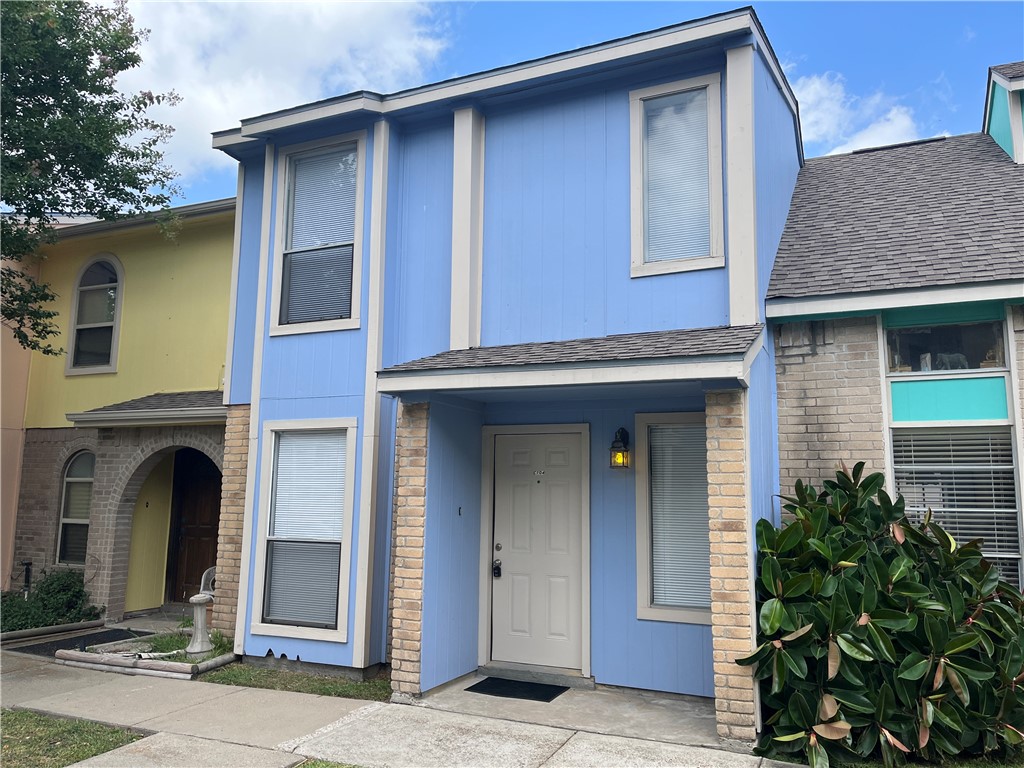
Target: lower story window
x=304 y=538
x=75 y=504
x=673 y=546
x=966 y=477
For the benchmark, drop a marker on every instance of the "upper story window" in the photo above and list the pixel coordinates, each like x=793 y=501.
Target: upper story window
x=75 y=504
x=676 y=177
x=95 y=318
x=317 y=274
x=965 y=347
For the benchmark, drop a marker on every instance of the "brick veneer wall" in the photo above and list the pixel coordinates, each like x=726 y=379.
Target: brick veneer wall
x=45 y=455
x=830 y=398
x=232 y=516
x=407 y=548
x=124 y=459
x=732 y=554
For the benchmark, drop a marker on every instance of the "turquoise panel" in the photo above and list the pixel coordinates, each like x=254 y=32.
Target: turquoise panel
x=999 y=119
x=965 y=399
x=944 y=314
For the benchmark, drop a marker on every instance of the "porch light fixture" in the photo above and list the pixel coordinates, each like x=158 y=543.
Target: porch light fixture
x=620 y=449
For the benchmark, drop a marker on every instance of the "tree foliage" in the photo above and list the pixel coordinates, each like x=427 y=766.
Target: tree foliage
x=73 y=144
x=881 y=636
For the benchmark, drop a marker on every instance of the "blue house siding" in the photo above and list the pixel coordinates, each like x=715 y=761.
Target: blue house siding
x=625 y=651
x=419 y=260
x=557 y=228
x=777 y=163
x=764 y=438
x=451 y=564
x=244 y=332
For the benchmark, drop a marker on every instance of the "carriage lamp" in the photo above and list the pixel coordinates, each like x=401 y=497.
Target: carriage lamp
x=620 y=449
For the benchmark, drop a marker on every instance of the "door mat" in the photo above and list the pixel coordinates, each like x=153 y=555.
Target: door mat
x=80 y=642
x=517 y=689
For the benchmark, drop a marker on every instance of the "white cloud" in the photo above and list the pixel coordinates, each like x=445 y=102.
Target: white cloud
x=233 y=60
x=833 y=120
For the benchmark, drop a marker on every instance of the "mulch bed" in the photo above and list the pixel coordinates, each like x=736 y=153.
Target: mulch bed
x=79 y=642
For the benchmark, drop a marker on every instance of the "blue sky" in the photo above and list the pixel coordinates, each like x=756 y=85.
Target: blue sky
x=865 y=73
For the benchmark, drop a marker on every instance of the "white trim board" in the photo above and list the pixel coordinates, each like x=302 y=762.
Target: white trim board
x=248 y=511
x=362 y=616
x=488 y=433
x=467 y=229
x=897 y=299
x=236 y=255
x=741 y=177
x=734 y=367
x=214 y=414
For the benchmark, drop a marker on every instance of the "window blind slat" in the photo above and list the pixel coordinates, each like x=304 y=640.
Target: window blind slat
x=318 y=285
x=680 y=542
x=77 y=499
x=323 y=199
x=966 y=477
x=676 y=177
x=302 y=583
x=309 y=485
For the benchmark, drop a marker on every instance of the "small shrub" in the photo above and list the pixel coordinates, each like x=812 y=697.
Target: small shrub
x=59 y=597
x=880 y=637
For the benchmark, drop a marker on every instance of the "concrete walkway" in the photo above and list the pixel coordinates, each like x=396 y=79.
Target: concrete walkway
x=204 y=725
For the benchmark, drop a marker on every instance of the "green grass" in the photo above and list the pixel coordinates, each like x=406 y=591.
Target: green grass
x=313 y=763
x=378 y=689
x=178 y=641
x=31 y=740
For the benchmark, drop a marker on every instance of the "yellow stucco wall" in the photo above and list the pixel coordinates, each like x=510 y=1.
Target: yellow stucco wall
x=174 y=314
x=151 y=523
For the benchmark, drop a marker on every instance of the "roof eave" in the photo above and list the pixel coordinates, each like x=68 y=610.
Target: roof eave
x=153 y=417
x=193 y=211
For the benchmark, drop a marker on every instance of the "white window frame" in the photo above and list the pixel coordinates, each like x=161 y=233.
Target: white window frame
x=285 y=164
x=257 y=626
x=716 y=258
x=70 y=369
x=64 y=480
x=645 y=609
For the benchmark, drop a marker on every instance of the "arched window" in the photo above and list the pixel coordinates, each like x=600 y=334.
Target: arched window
x=94 y=343
x=76 y=499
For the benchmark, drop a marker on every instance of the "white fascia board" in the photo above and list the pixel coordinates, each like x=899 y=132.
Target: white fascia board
x=150 y=418
x=726 y=367
x=868 y=302
x=1015 y=84
x=474 y=85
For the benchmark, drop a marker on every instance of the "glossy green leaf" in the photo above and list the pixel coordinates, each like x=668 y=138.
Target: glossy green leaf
x=881 y=643
x=854 y=648
x=790 y=537
x=771 y=616
x=771 y=576
x=960 y=643
x=853 y=700
x=914 y=666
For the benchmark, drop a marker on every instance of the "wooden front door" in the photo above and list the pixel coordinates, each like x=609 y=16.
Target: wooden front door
x=197 y=516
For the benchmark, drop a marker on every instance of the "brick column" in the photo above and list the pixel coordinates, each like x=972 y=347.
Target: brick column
x=407 y=548
x=232 y=514
x=732 y=552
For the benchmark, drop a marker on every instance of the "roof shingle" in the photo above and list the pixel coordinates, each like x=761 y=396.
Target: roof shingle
x=938 y=212
x=1010 y=71
x=167 y=401
x=695 y=342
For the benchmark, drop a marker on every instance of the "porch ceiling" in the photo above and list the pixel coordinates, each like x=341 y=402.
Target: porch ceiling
x=664 y=359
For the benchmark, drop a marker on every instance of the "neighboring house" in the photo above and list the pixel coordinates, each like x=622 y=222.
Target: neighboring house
x=14 y=381
x=124 y=434
x=451 y=301
x=897 y=311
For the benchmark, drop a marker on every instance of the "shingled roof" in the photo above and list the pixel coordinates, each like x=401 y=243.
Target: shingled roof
x=931 y=213
x=694 y=342
x=1010 y=71
x=160 y=408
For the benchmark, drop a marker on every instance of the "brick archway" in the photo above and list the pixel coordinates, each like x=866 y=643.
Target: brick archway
x=124 y=459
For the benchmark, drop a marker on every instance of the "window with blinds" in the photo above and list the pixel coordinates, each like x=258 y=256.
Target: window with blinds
x=320 y=237
x=967 y=477
x=677 y=208
x=678 y=500
x=303 y=557
x=75 y=505
x=95 y=316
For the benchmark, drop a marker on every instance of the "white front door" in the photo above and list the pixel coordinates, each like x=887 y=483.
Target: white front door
x=536 y=601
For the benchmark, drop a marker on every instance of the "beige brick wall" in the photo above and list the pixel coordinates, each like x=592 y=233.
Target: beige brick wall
x=830 y=398
x=407 y=547
x=232 y=515
x=731 y=557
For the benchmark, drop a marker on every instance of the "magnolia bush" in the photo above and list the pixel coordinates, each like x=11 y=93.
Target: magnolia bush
x=881 y=636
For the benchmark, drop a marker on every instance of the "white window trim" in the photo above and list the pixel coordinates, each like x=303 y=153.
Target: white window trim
x=638 y=267
x=257 y=627
x=70 y=369
x=64 y=479
x=644 y=608
x=284 y=164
